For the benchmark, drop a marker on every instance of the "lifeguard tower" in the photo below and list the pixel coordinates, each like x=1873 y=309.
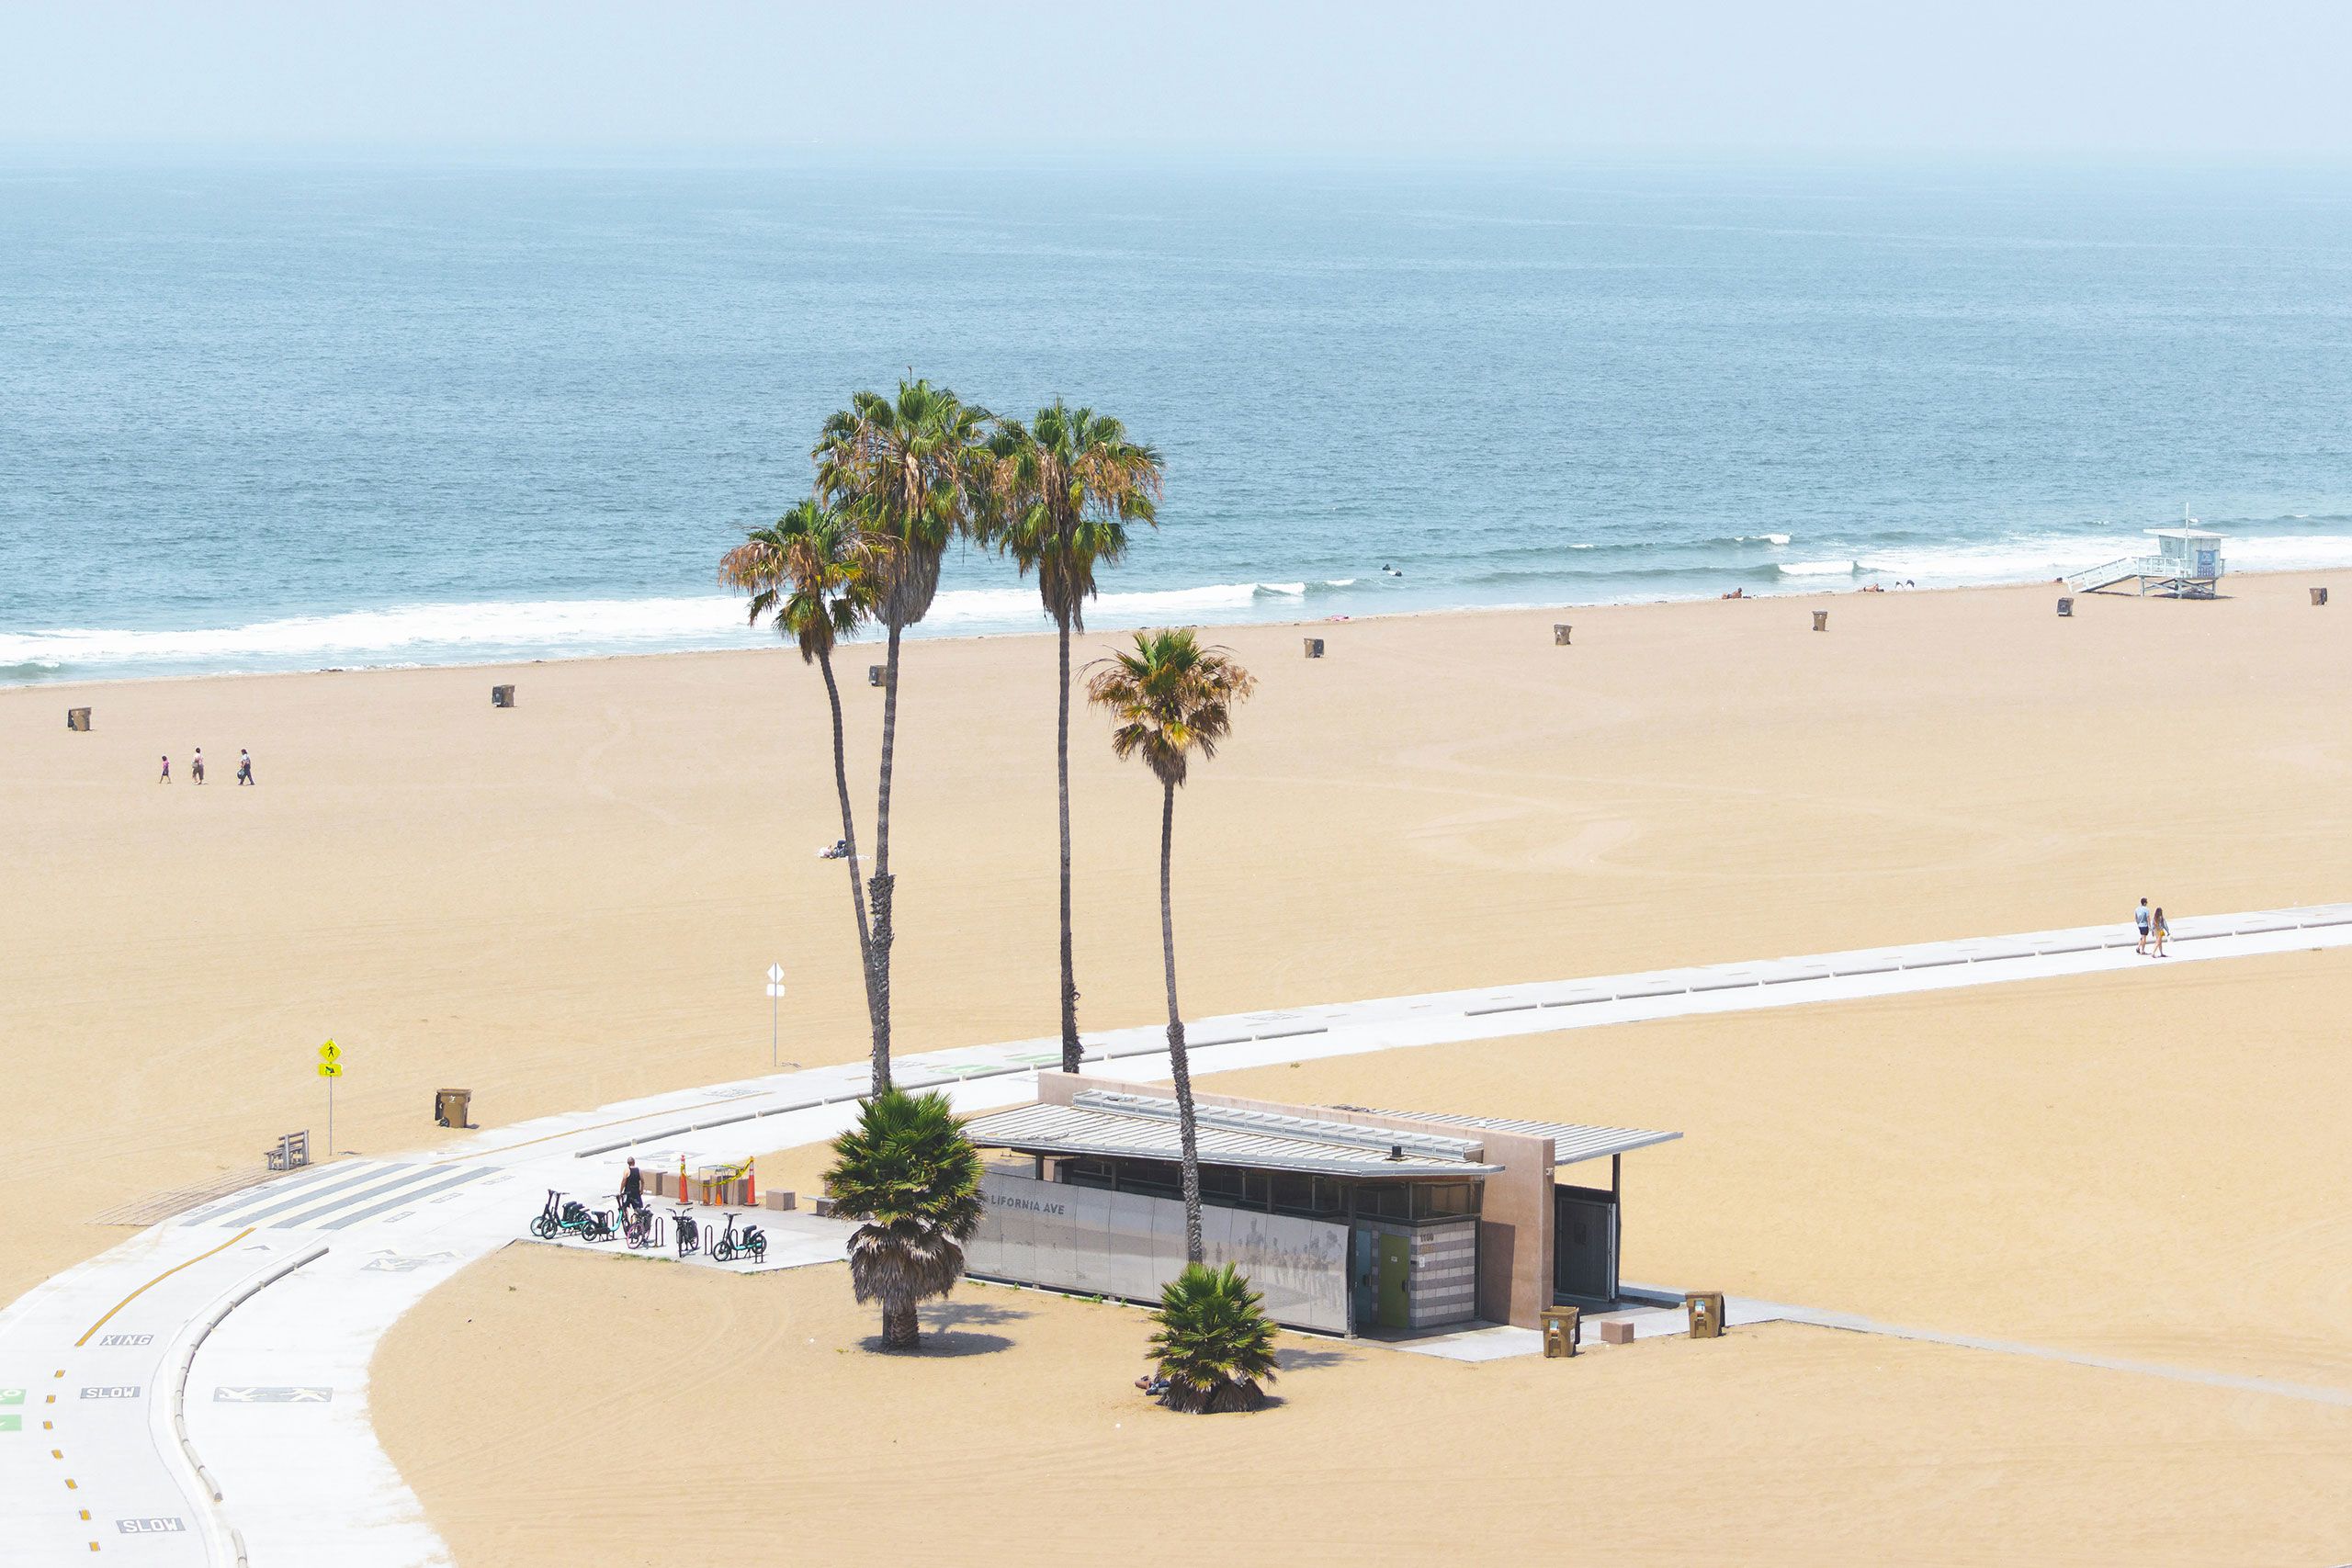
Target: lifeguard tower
x=2187 y=565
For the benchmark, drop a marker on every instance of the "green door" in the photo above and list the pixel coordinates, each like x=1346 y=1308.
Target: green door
x=1395 y=1252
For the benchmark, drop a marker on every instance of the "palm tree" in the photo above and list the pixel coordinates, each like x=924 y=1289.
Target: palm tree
x=1066 y=486
x=909 y=472
x=1215 y=1344
x=1169 y=697
x=814 y=573
x=909 y=1172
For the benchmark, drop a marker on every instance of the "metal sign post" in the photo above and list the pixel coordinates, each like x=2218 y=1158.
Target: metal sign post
x=330 y=1068
x=775 y=1007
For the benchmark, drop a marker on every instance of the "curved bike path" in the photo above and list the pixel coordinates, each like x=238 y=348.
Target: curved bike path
x=197 y=1397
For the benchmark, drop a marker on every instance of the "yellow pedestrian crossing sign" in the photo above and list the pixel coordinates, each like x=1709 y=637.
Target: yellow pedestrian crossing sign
x=330 y=1052
x=330 y=1069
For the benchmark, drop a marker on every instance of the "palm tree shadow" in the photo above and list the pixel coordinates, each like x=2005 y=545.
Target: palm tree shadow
x=943 y=1344
x=1301 y=1357
x=969 y=1315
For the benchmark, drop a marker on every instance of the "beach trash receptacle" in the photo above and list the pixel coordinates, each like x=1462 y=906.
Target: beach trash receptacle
x=78 y=720
x=1821 y=620
x=1559 y=634
x=1706 y=1310
x=2065 y=606
x=1560 y=1325
x=1315 y=648
x=501 y=696
x=453 y=1108
x=2319 y=596
x=874 y=674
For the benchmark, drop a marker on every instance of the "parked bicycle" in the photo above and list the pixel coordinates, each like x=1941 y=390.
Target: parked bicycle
x=642 y=1228
x=728 y=1244
x=563 y=1216
x=689 y=1234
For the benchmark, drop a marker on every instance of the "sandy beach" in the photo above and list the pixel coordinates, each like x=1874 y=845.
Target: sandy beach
x=573 y=901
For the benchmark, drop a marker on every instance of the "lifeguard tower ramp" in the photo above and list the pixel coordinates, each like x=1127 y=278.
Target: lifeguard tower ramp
x=2187 y=565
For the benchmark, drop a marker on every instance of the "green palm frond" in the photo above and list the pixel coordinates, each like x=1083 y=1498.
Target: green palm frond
x=1169 y=698
x=910 y=472
x=910 y=1175
x=1215 y=1343
x=1062 y=490
x=811 y=571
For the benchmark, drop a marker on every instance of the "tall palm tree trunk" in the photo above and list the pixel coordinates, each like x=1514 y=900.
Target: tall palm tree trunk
x=848 y=833
x=880 y=887
x=1061 y=766
x=901 y=1330
x=1177 y=1063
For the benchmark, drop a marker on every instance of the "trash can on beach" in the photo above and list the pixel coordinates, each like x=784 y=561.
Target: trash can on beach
x=453 y=1108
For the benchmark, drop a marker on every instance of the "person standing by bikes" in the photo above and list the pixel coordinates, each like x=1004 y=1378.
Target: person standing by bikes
x=632 y=1190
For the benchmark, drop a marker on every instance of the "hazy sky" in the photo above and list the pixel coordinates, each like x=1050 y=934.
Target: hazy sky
x=1275 y=76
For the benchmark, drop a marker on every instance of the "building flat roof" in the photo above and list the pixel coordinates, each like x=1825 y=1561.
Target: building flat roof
x=1571 y=1143
x=1122 y=1124
x=1067 y=1130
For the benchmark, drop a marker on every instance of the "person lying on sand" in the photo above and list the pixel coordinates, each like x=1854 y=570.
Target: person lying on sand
x=838 y=851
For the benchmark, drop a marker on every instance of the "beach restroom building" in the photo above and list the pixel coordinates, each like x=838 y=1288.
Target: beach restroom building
x=1347 y=1219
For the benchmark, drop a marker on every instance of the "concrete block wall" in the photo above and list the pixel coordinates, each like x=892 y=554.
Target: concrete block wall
x=1443 y=1287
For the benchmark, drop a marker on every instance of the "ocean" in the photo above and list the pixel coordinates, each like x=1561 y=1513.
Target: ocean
x=267 y=416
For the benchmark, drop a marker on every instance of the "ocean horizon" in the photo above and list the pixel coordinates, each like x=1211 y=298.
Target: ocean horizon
x=291 y=416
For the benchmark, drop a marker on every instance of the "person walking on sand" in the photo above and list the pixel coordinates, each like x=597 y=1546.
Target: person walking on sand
x=167 y=769
x=245 y=766
x=195 y=768
x=2159 y=931
x=2141 y=915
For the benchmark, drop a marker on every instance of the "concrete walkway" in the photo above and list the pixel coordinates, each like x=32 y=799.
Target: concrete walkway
x=198 y=1394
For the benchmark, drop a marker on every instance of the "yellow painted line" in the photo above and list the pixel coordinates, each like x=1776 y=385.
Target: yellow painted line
x=153 y=1282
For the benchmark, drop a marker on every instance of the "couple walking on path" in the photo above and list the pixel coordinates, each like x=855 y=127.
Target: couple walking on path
x=195 y=768
x=2151 y=928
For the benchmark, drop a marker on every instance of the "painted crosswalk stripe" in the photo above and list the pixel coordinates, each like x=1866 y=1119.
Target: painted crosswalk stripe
x=407 y=1175
x=240 y=1207
x=458 y=1180
x=374 y=1172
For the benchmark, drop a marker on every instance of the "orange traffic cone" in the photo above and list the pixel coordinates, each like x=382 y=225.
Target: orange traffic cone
x=751 y=1184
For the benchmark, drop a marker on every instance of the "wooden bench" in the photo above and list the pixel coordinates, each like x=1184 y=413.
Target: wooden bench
x=292 y=1153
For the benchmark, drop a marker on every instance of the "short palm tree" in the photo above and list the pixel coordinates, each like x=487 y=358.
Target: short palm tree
x=1169 y=697
x=1215 y=1343
x=1068 y=483
x=910 y=1175
x=814 y=573
x=909 y=471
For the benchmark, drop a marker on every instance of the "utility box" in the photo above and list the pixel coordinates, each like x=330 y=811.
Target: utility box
x=1561 y=1325
x=79 y=718
x=1559 y=634
x=501 y=696
x=2065 y=606
x=1706 y=1310
x=1315 y=648
x=453 y=1108
x=1821 y=620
